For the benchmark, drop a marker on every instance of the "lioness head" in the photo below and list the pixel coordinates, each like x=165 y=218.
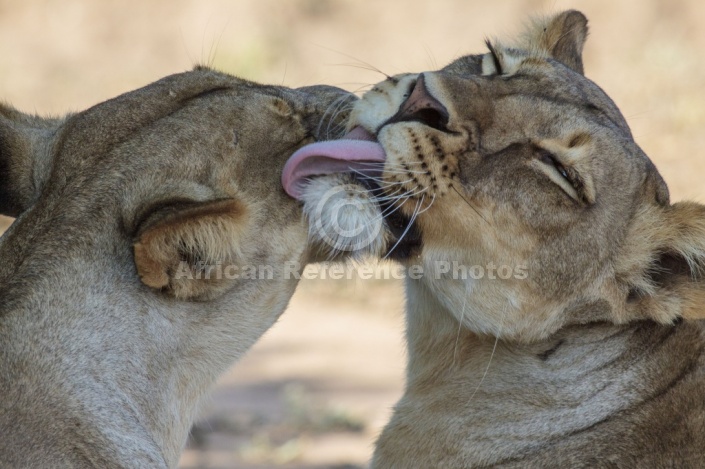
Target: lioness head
x=153 y=245
x=526 y=200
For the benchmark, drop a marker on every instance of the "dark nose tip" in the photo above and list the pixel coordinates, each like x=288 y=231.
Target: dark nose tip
x=422 y=107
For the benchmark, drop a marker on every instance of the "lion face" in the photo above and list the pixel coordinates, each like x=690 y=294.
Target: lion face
x=529 y=202
x=186 y=169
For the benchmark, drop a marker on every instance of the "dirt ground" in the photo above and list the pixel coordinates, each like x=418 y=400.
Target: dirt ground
x=315 y=391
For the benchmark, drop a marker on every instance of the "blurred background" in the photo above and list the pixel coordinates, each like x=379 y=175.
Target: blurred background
x=316 y=390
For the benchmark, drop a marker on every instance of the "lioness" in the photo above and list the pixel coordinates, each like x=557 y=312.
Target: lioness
x=556 y=323
x=114 y=319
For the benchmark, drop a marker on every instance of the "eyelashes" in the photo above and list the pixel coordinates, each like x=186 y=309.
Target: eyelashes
x=577 y=186
x=550 y=159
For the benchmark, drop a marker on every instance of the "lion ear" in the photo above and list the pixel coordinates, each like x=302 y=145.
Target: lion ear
x=25 y=161
x=667 y=266
x=561 y=36
x=182 y=249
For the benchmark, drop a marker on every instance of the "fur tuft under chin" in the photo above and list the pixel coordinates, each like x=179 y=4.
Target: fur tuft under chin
x=345 y=221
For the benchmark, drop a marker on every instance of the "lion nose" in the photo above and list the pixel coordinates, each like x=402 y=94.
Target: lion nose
x=422 y=107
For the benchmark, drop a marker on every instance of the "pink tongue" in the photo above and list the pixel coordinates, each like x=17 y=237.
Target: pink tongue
x=355 y=151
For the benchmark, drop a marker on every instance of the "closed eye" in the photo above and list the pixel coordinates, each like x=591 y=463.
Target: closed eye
x=565 y=178
x=549 y=159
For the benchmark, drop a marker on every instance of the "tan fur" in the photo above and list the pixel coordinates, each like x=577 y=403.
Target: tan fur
x=211 y=233
x=114 y=319
x=594 y=358
x=561 y=36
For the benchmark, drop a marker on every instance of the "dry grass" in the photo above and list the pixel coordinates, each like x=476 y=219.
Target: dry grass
x=341 y=350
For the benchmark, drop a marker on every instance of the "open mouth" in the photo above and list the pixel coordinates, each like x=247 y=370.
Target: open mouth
x=405 y=233
x=359 y=154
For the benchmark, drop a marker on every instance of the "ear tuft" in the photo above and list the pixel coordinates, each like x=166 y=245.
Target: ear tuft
x=561 y=36
x=176 y=252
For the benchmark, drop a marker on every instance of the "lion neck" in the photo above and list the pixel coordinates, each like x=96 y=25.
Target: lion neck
x=501 y=393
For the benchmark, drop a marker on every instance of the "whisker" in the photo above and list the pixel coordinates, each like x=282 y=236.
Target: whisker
x=341 y=107
x=408 y=226
x=460 y=325
x=386 y=164
x=381 y=181
x=389 y=211
x=417 y=193
x=361 y=66
x=494 y=348
x=407 y=195
x=393 y=208
x=346 y=108
x=386 y=186
x=286 y=66
x=406 y=163
x=382 y=197
x=358 y=83
x=392 y=199
x=361 y=89
x=395 y=197
x=370 y=66
x=399 y=192
x=429 y=54
x=429 y=205
x=332 y=111
x=377 y=192
x=469 y=204
x=333 y=131
x=374 y=164
x=215 y=45
x=394 y=203
x=392 y=170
